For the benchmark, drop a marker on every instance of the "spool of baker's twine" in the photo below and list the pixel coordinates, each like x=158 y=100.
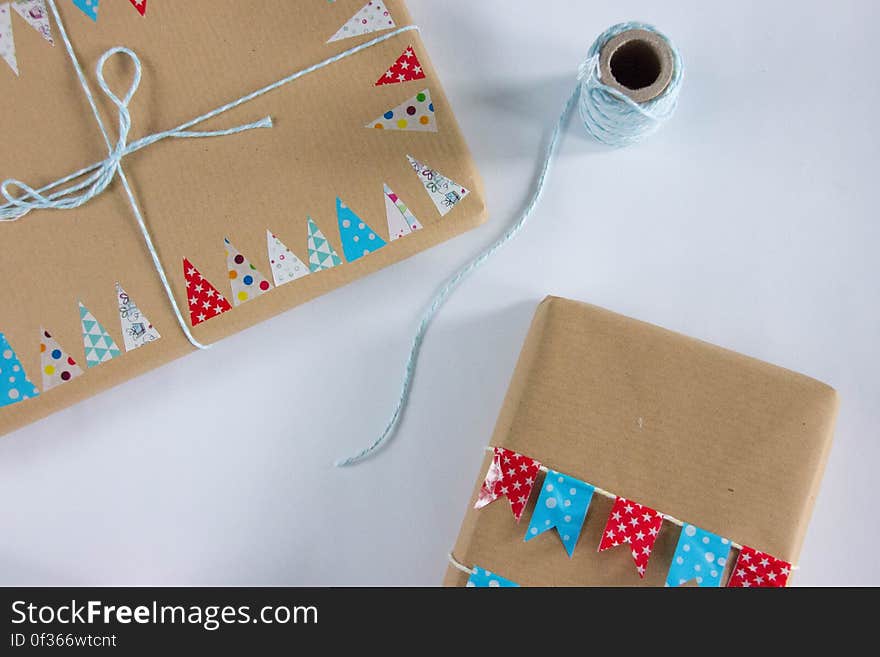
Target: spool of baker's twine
x=627 y=88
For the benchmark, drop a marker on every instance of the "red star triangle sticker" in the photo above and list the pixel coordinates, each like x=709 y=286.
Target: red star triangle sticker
x=635 y=525
x=140 y=5
x=760 y=570
x=511 y=475
x=405 y=69
x=205 y=302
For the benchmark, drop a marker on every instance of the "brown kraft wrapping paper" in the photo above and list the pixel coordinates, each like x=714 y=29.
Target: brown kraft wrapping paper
x=729 y=443
x=195 y=192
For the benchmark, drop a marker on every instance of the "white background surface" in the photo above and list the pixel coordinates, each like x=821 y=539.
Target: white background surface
x=749 y=221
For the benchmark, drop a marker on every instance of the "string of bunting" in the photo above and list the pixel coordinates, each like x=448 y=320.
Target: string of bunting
x=700 y=555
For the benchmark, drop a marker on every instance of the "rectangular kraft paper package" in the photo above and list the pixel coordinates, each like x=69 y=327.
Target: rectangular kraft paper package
x=726 y=442
x=199 y=55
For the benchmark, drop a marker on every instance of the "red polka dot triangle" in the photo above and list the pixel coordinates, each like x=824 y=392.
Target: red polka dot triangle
x=57 y=365
x=247 y=283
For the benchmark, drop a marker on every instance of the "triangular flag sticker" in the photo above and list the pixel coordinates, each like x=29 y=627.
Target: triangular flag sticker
x=247 y=283
x=99 y=346
x=286 y=266
x=57 y=365
x=406 y=69
x=205 y=302
x=358 y=239
x=401 y=221
x=322 y=255
x=7 y=44
x=373 y=17
x=140 y=5
x=88 y=7
x=36 y=15
x=136 y=328
x=445 y=193
x=15 y=386
x=415 y=114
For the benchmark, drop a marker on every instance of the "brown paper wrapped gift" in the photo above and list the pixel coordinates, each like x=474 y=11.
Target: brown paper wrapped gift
x=196 y=56
x=731 y=444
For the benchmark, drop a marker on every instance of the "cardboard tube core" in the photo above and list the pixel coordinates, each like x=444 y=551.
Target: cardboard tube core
x=637 y=63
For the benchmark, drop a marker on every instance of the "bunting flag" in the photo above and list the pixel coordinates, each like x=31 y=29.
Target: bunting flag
x=205 y=302
x=136 y=328
x=88 y=7
x=634 y=524
x=445 y=193
x=15 y=385
x=415 y=114
x=512 y=475
x=99 y=346
x=247 y=283
x=482 y=578
x=699 y=556
x=285 y=265
x=36 y=15
x=757 y=569
x=322 y=255
x=58 y=366
x=373 y=17
x=140 y=5
x=401 y=221
x=563 y=504
x=405 y=69
x=358 y=239
x=7 y=43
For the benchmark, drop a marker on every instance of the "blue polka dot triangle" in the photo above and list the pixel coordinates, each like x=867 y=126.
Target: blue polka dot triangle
x=415 y=114
x=562 y=505
x=482 y=578
x=700 y=556
x=358 y=239
x=88 y=7
x=58 y=366
x=99 y=346
x=15 y=386
x=247 y=283
x=445 y=193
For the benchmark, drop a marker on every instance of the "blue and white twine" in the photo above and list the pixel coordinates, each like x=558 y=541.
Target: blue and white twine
x=611 y=118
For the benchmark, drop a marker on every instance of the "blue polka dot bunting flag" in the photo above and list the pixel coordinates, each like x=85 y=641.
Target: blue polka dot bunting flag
x=358 y=239
x=88 y=7
x=15 y=386
x=562 y=505
x=481 y=578
x=700 y=556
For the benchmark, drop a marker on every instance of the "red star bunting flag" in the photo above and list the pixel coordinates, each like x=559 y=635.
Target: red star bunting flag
x=634 y=524
x=509 y=474
x=756 y=569
x=406 y=69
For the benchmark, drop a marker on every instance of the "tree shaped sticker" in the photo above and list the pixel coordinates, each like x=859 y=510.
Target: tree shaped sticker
x=58 y=366
x=7 y=44
x=358 y=239
x=36 y=15
x=401 y=221
x=15 y=386
x=372 y=17
x=286 y=266
x=136 y=328
x=99 y=346
x=205 y=302
x=247 y=283
x=445 y=193
x=88 y=7
x=406 y=69
x=322 y=255
x=415 y=114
